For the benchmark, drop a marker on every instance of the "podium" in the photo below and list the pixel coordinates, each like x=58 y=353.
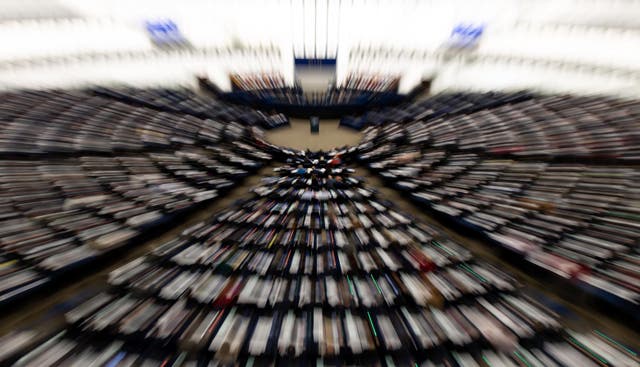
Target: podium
x=314 y=122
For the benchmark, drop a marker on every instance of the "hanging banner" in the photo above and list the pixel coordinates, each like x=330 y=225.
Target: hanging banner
x=164 y=33
x=465 y=35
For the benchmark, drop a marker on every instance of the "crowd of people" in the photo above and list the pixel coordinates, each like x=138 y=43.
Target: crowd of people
x=272 y=90
x=83 y=175
x=315 y=268
x=554 y=179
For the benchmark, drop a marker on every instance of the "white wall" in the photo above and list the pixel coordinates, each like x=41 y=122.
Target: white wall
x=32 y=39
x=495 y=75
x=592 y=46
x=579 y=33
x=141 y=69
x=584 y=60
